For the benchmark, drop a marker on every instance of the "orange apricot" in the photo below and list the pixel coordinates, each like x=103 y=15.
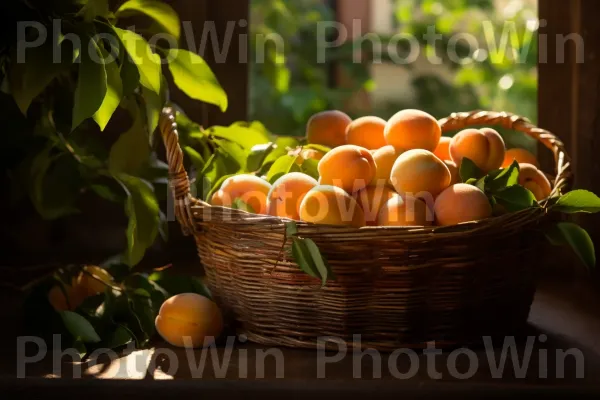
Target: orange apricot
x=328 y=128
x=366 y=132
x=189 y=320
x=287 y=193
x=521 y=156
x=330 y=205
x=535 y=181
x=385 y=158
x=420 y=173
x=348 y=167
x=251 y=189
x=454 y=172
x=405 y=211
x=73 y=299
x=413 y=129
x=442 y=151
x=485 y=147
x=93 y=280
x=371 y=199
x=461 y=203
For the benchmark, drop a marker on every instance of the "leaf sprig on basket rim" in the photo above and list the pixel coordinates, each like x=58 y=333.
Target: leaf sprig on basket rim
x=307 y=255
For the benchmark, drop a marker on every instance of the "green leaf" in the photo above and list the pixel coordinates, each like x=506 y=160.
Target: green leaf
x=28 y=80
x=119 y=338
x=131 y=150
x=147 y=62
x=282 y=166
x=154 y=103
x=93 y=9
x=291 y=229
x=143 y=316
x=176 y=284
x=287 y=142
x=257 y=155
x=162 y=13
x=195 y=157
x=468 y=170
x=128 y=71
x=195 y=78
x=318 y=260
x=303 y=258
x=319 y=147
x=239 y=204
x=113 y=96
x=578 y=201
x=515 y=198
x=81 y=349
x=143 y=212
x=79 y=327
x=568 y=233
x=243 y=136
x=503 y=178
x=91 y=84
x=311 y=168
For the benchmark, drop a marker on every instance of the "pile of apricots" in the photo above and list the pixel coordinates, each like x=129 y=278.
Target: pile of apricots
x=400 y=172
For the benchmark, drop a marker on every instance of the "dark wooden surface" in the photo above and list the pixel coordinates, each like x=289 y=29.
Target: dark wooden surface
x=564 y=316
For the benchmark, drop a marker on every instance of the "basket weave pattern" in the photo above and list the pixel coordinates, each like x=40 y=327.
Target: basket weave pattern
x=394 y=286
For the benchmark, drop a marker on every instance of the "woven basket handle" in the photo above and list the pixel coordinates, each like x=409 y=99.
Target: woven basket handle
x=462 y=120
x=178 y=177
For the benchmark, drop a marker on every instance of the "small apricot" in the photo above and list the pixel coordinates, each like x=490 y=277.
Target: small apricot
x=73 y=299
x=521 y=156
x=189 y=320
x=251 y=189
x=366 y=132
x=371 y=199
x=348 y=167
x=330 y=205
x=420 y=172
x=287 y=193
x=93 y=280
x=385 y=158
x=535 y=181
x=328 y=128
x=461 y=203
x=442 y=151
x=405 y=211
x=413 y=129
x=485 y=147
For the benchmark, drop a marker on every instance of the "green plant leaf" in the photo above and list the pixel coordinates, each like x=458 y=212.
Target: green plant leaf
x=257 y=155
x=113 y=96
x=147 y=62
x=91 y=84
x=291 y=229
x=93 y=9
x=243 y=136
x=568 y=233
x=143 y=315
x=195 y=157
x=162 y=13
x=79 y=327
x=318 y=260
x=303 y=258
x=130 y=153
x=515 y=198
x=143 y=212
x=195 y=78
x=577 y=201
x=28 y=80
x=282 y=166
x=311 y=168
x=468 y=170
x=128 y=71
x=501 y=179
x=319 y=147
x=154 y=103
x=239 y=204
x=120 y=337
x=81 y=349
x=176 y=284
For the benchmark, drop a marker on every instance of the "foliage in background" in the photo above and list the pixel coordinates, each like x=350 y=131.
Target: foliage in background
x=284 y=94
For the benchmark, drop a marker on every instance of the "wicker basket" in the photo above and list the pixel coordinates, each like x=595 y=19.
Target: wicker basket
x=396 y=287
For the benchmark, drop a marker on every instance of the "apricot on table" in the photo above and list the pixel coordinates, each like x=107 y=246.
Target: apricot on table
x=371 y=199
x=249 y=188
x=413 y=129
x=485 y=147
x=189 y=320
x=328 y=128
x=348 y=167
x=420 y=172
x=521 y=156
x=461 y=203
x=287 y=193
x=330 y=205
x=442 y=151
x=385 y=158
x=405 y=211
x=535 y=181
x=93 y=280
x=366 y=132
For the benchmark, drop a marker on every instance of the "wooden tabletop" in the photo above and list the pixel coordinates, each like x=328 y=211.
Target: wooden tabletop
x=560 y=356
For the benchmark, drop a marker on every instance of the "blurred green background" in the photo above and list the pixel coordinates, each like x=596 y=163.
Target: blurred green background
x=290 y=85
